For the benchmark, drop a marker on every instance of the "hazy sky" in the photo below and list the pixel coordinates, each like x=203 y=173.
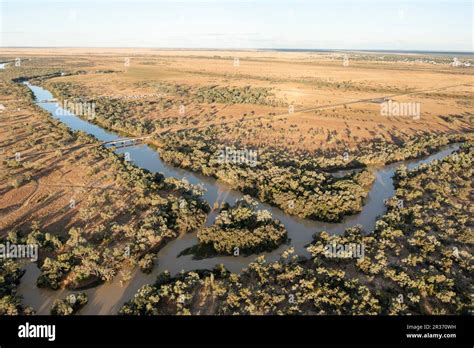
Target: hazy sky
x=346 y=24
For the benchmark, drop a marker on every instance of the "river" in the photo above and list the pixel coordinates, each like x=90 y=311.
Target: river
x=109 y=297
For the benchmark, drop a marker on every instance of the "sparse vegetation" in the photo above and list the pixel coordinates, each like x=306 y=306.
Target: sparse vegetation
x=70 y=305
x=243 y=229
x=411 y=253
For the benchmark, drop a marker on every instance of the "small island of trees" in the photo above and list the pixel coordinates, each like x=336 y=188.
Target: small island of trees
x=242 y=229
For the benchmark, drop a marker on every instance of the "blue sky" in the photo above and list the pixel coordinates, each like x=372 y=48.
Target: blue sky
x=326 y=24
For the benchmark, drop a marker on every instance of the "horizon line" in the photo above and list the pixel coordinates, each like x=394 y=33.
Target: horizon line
x=252 y=49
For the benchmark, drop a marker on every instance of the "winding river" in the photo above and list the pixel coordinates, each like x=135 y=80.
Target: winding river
x=109 y=297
